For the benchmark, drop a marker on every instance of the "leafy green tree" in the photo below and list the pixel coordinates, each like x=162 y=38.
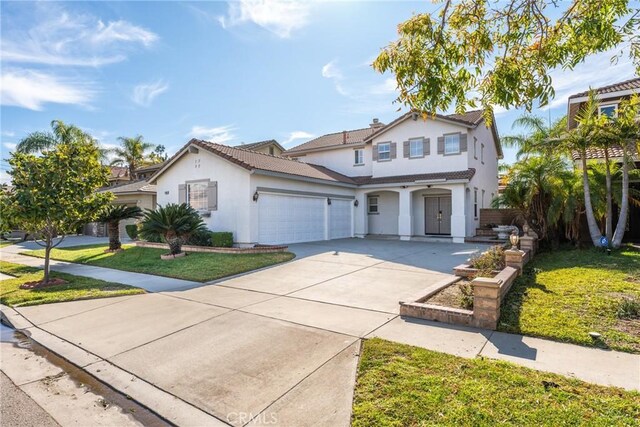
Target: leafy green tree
x=112 y=215
x=501 y=51
x=55 y=193
x=133 y=152
x=174 y=223
x=158 y=155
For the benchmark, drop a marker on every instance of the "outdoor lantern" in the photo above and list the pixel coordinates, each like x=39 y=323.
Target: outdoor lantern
x=328 y=201
x=356 y=203
x=255 y=196
x=514 y=238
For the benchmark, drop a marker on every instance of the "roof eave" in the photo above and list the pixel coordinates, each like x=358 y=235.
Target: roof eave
x=302 y=178
x=327 y=148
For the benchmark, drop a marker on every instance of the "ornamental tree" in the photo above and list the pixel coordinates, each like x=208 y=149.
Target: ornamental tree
x=54 y=194
x=488 y=53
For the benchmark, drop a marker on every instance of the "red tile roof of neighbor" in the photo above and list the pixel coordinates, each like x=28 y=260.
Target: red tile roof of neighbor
x=256 y=145
x=140 y=186
x=470 y=118
x=631 y=84
x=119 y=171
x=598 y=153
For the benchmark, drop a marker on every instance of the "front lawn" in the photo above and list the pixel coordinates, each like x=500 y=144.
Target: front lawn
x=564 y=295
x=77 y=287
x=401 y=385
x=199 y=267
x=4 y=243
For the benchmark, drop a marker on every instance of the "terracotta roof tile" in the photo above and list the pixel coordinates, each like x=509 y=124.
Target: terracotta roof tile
x=464 y=174
x=256 y=145
x=598 y=153
x=119 y=171
x=267 y=162
x=146 y=168
x=632 y=84
x=355 y=136
x=141 y=186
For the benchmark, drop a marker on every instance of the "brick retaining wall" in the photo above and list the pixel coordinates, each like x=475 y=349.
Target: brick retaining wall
x=208 y=249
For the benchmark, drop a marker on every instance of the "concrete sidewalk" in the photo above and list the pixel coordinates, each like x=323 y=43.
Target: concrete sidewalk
x=148 y=282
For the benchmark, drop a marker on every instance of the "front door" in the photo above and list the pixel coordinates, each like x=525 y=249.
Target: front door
x=437 y=215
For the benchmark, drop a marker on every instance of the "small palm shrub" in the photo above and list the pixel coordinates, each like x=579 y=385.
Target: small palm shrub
x=173 y=223
x=132 y=231
x=488 y=261
x=112 y=215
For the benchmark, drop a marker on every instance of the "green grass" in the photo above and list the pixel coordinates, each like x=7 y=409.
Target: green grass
x=77 y=287
x=564 y=295
x=199 y=267
x=4 y=243
x=401 y=385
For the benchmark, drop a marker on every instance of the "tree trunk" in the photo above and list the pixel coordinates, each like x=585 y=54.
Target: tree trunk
x=594 y=231
x=175 y=245
x=624 y=208
x=114 y=236
x=47 y=256
x=608 y=228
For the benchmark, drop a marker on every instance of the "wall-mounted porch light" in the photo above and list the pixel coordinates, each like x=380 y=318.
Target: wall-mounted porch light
x=328 y=201
x=255 y=196
x=356 y=203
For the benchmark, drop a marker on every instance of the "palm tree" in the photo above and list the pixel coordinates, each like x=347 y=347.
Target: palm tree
x=133 y=153
x=112 y=215
x=627 y=130
x=539 y=133
x=173 y=223
x=61 y=133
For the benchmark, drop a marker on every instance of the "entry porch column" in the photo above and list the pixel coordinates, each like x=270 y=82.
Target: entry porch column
x=405 y=219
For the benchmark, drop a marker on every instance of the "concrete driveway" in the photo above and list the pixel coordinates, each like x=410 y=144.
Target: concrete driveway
x=275 y=346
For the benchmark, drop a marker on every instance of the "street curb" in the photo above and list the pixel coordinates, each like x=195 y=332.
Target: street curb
x=167 y=406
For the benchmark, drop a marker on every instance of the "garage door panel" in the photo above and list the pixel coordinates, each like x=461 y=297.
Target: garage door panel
x=290 y=219
x=340 y=219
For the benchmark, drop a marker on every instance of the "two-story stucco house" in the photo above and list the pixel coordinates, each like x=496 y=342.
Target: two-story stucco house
x=413 y=178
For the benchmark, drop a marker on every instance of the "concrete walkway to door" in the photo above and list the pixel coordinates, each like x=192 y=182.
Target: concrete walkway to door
x=280 y=345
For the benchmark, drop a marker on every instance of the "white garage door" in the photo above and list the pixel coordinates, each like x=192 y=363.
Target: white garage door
x=340 y=219
x=290 y=219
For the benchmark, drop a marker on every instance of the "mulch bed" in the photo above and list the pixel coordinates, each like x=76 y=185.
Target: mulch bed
x=451 y=296
x=40 y=285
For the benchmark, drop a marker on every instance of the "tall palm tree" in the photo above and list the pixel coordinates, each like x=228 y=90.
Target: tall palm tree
x=61 y=133
x=539 y=131
x=133 y=153
x=174 y=223
x=112 y=215
x=627 y=129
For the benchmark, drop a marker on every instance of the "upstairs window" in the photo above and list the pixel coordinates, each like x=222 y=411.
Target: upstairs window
x=384 y=151
x=359 y=157
x=452 y=144
x=416 y=147
x=197 y=195
x=373 y=204
x=609 y=110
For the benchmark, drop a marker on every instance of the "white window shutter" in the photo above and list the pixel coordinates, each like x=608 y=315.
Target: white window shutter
x=212 y=195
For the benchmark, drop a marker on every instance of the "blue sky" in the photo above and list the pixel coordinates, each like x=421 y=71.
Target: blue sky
x=230 y=72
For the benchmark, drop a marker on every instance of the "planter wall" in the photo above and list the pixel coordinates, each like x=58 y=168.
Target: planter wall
x=207 y=249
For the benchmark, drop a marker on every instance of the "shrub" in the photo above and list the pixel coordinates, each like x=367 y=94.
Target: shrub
x=487 y=262
x=466 y=299
x=200 y=238
x=222 y=239
x=629 y=308
x=132 y=231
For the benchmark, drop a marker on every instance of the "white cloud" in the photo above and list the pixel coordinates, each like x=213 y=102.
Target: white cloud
x=11 y=146
x=5 y=178
x=145 y=93
x=297 y=134
x=8 y=133
x=32 y=89
x=332 y=72
x=220 y=134
x=387 y=87
x=63 y=39
x=281 y=17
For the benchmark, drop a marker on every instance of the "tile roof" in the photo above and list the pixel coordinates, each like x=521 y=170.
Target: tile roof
x=254 y=160
x=355 y=136
x=454 y=175
x=119 y=172
x=598 y=153
x=141 y=186
x=147 y=168
x=632 y=84
x=256 y=145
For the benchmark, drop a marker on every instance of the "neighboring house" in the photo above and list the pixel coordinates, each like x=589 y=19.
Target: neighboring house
x=137 y=193
x=145 y=172
x=609 y=97
x=410 y=178
x=119 y=175
x=270 y=146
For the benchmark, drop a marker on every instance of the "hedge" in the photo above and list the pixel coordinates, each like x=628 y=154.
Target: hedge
x=221 y=239
x=132 y=231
